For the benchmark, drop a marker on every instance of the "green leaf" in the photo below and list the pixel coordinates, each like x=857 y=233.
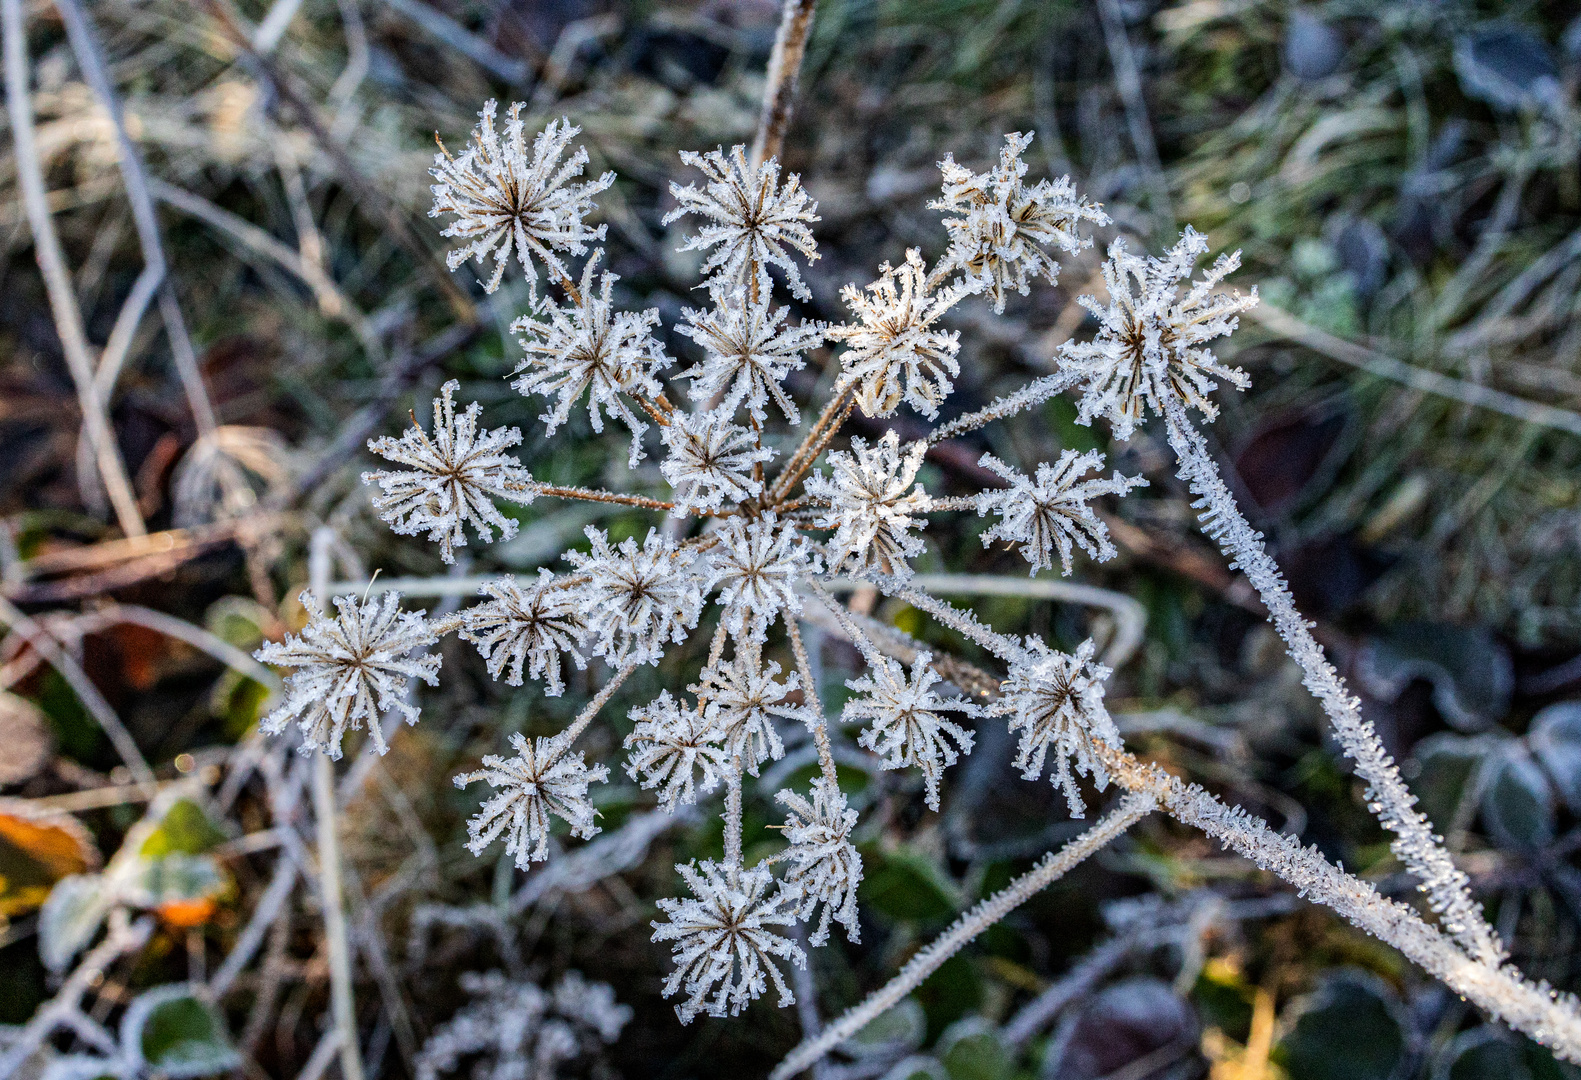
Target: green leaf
x=1349 y=1029
x=971 y=1050
x=906 y=887
x=1484 y=1053
x=1518 y=804
x=71 y=916
x=176 y=1034
x=186 y=830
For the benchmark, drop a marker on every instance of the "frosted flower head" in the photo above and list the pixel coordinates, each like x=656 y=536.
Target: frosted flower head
x=1055 y=700
x=1051 y=513
x=450 y=479
x=825 y=867
x=669 y=743
x=1149 y=339
x=756 y=566
x=589 y=346
x=350 y=669
x=515 y=1029
x=724 y=938
x=999 y=239
x=527 y=627
x=743 y=696
x=867 y=505
x=504 y=200
x=751 y=218
x=748 y=350
x=711 y=461
x=894 y=352
x=907 y=722
x=544 y=778
x=637 y=599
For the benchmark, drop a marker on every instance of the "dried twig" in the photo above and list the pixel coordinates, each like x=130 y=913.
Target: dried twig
x=57 y=279
x=779 y=93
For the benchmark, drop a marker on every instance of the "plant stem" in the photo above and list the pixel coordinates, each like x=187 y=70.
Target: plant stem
x=790 y=46
x=1053 y=867
x=817 y=724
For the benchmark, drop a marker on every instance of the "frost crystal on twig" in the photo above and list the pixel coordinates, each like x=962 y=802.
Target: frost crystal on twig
x=748 y=350
x=588 y=345
x=710 y=460
x=752 y=219
x=998 y=241
x=1052 y=513
x=756 y=565
x=637 y=600
x=450 y=479
x=516 y=1030
x=869 y=508
x=527 y=626
x=722 y=937
x=895 y=352
x=349 y=669
x=544 y=778
x=1055 y=700
x=1149 y=340
x=743 y=697
x=502 y=199
x=908 y=727
x=669 y=743
x=825 y=867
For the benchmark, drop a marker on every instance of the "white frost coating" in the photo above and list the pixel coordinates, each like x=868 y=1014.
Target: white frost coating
x=723 y=937
x=868 y=506
x=1055 y=701
x=350 y=669
x=907 y=725
x=756 y=566
x=588 y=345
x=894 y=352
x=1051 y=513
x=502 y=199
x=752 y=219
x=748 y=350
x=743 y=696
x=1415 y=844
x=997 y=242
x=1149 y=344
x=637 y=600
x=669 y=743
x=515 y=1029
x=825 y=867
x=450 y=479
x=544 y=778
x=527 y=627
x=710 y=461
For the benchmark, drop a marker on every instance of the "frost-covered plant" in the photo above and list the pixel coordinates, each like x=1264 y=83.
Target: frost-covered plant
x=762 y=543
x=514 y=1029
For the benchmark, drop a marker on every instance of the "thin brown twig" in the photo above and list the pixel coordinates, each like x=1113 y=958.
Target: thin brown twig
x=779 y=94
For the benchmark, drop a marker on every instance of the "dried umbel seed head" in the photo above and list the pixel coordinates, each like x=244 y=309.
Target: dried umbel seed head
x=896 y=352
x=1051 y=513
x=544 y=778
x=866 y=502
x=504 y=200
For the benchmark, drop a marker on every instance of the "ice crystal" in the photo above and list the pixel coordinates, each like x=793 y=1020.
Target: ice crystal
x=637 y=599
x=868 y=507
x=502 y=199
x=743 y=698
x=710 y=460
x=451 y=478
x=825 y=867
x=752 y=219
x=587 y=345
x=544 y=778
x=1149 y=339
x=748 y=350
x=756 y=566
x=669 y=743
x=516 y=1030
x=349 y=669
x=1052 y=512
x=997 y=242
x=1055 y=700
x=527 y=627
x=907 y=725
x=895 y=352
x=723 y=937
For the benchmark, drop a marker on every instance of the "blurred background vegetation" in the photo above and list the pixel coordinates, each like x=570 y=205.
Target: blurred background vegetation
x=1404 y=181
